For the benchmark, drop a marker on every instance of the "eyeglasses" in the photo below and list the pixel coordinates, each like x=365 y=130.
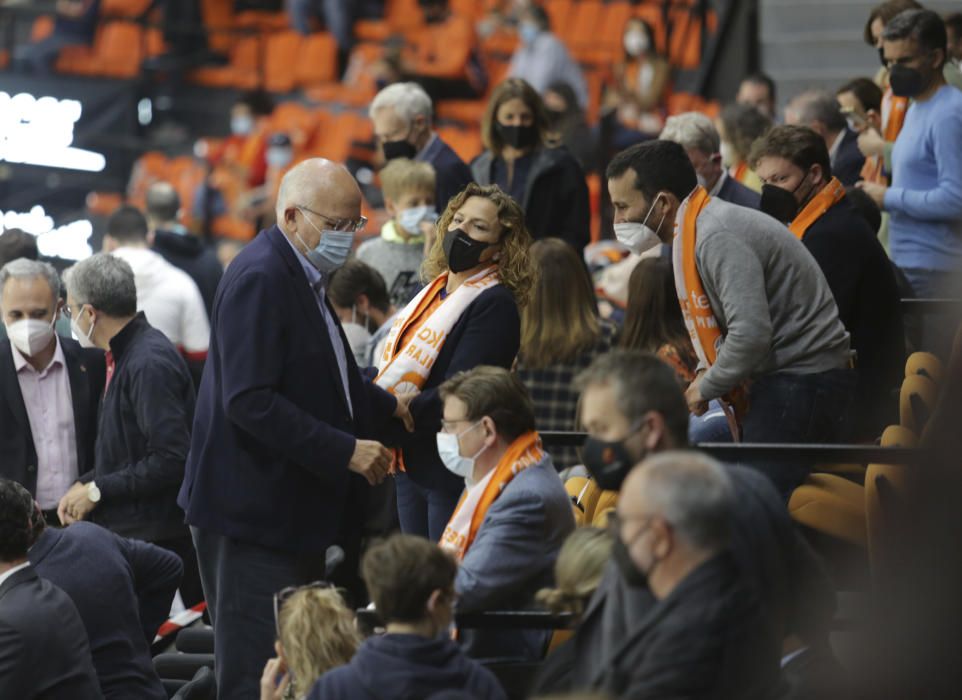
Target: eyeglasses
x=282 y=595
x=348 y=225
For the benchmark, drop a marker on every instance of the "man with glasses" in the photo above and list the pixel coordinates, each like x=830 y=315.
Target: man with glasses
x=281 y=453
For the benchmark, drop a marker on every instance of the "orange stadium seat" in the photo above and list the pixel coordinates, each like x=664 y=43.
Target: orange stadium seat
x=218 y=16
x=281 y=55
x=559 y=12
x=653 y=15
x=465 y=142
x=585 y=19
x=403 y=15
x=372 y=30
x=123 y=8
x=317 y=61
x=262 y=21
x=42 y=28
x=117 y=52
x=298 y=122
x=242 y=71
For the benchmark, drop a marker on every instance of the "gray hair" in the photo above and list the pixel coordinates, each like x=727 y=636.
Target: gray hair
x=409 y=100
x=923 y=26
x=692 y=131
x=106 y=283
x=693 y=493
x=818 y=106
x=24 y=268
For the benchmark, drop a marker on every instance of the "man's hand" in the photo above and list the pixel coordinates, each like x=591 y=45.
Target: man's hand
x=403 y=410
x=274 y=680
x=873 y=190
x=693 y=397
x=871 y=143
x=75 y=505
x=371 y=460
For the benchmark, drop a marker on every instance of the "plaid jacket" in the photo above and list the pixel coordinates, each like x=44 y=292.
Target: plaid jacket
x=555 y=399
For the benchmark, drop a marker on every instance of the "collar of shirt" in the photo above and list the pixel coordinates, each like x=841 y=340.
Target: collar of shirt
x=423 y=154
x=7 y=574
x=718 y=184
x=314 y=276
x=21 y=364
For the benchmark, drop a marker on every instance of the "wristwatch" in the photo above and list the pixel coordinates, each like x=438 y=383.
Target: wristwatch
x=93 y=493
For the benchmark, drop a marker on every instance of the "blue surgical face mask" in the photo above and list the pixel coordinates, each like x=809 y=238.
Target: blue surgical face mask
x=279 y=156
x=409 y=219
x=241 y=125
x=528 y=32
x=331 y=251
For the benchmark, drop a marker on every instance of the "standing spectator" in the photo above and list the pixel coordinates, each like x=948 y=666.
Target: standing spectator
x=740 y=270
x=739 y=126
x=514 y=514
x=144 y=429
x=569 y=124
x=442 y=54
x=800 y=191
x=819 y=110
x=560 y=335
x=123 y=590
x=75 y=24
x=43 y=646
x=179 y=247
x=412 y=585
x=640 y=85
x=758 y=90
x=286 y=421
x=397 y=254
x=15 y=243
x=51 y=388
x=547 y=182
x=166 y=295
x=401 y=114
x=361 y=301
x=861 y=103
x=696 y=133
x=925 y=202
x=542 y=58
x=480 y=274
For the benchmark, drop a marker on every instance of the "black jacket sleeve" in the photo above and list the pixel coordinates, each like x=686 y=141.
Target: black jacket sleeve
x=157 y=573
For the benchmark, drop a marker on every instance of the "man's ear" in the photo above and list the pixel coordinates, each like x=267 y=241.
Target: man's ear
x=362 y=304
x=490 y=429
x=434 y=601
x=656 y=431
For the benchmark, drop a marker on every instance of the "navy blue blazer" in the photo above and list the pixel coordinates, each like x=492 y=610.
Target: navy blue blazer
x=123 y=590
x=848 y=161
x=273 y=434
x=451 y=173
x=734 y=192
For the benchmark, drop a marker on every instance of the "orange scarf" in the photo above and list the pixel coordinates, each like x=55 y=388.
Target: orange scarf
x=739 y=172
x=463 y=527
x=874 y=168
x=830 y=195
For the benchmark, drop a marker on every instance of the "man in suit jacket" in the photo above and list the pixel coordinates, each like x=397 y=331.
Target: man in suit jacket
x=696 y=133
x=43 y=645
x=123 y=590
x=819 y=110
x=402 y=115
x=50 y=388
x=279 y=460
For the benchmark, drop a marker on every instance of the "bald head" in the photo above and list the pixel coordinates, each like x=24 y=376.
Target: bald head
x=163 y=204
x=322 y=186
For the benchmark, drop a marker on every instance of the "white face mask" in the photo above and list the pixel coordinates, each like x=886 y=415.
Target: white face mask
x=30 y=335
x=449 y=450
x=636 y=42
x=83 y=338
x=410 y=219
x=639 y=237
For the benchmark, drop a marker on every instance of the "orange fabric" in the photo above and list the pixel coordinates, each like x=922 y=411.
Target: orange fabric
x=434 y=300
x=740 y=171
x=828 y=197
x=682 y=360
x=874 y=170
x=442 y=50
x=893 y=126
x=705 y=325
x=280 y=60
x=524 y=452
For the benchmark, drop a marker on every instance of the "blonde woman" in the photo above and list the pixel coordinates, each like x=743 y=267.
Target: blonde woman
x=578 y=571
x=316 y=633
x=478 y=275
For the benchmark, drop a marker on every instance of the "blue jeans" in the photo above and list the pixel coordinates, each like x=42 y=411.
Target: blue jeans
x=423 y=511
x=798 y=408
x=337 y=15
x=710 y=427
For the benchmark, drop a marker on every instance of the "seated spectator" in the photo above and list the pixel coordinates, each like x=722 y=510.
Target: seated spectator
x=560 y=335
x=578 y=571
x=412 y=584
x=441 y=55
x=514 y=514
x=178 y=245
x=861 y=103
x=75 y=24
x=706 y=634
x=819 y=110
x=397 y=254
x=123 y=590
x=257 y=205
x=696 y=133
x=738 y=128
x=547 y=182
x=402 y=115
x=542 y=58
x=316 y=632
x=45 y=649
x=640 y=84
x=800 y=191
x=243 y=154
x=758 y=90
x=633 y=407
x=361 y=301
x=15 y=243
x=567 y=120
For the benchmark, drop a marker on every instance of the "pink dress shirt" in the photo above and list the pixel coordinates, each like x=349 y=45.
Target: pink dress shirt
x=49 y=404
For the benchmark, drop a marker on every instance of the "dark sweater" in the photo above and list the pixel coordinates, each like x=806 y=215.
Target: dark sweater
x=406 y=667
x=144 y=436
x=123 y=590
x=193 y=257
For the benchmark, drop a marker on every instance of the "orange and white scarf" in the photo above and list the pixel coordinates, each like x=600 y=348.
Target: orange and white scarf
x=463 y=527
x=405 y=369
x=894 y=109
x=828 y=197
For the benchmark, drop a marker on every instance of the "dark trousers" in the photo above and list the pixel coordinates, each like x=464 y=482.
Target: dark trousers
x=798 y=408
x=240 y=580
x=423 y=511
x=938 y=329
x=191 y=591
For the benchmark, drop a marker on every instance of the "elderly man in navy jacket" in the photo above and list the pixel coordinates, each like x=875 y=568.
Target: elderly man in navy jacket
x=280 y=458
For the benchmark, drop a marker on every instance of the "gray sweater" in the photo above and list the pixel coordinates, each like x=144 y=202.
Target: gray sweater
x=393 y=259
x=770 y=298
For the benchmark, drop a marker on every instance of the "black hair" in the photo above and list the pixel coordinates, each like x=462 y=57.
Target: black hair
x=355 y=278
x=15 y=244
x=127 y=225
x=259 y=102
x=762 y=79
x=865 y=206
x=658 y=165
x=866 y=91
x=924 y=26
x=16 y=521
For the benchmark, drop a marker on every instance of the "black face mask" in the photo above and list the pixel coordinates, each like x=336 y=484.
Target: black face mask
x=399 y=149
x=462 y=251
x=632 y=575
x=518 y=136
x=906 y=81
x=608 y=462
x=779 y=203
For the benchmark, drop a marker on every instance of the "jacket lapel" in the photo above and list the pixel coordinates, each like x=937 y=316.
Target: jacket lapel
x=16 y=579
x=11 y=389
